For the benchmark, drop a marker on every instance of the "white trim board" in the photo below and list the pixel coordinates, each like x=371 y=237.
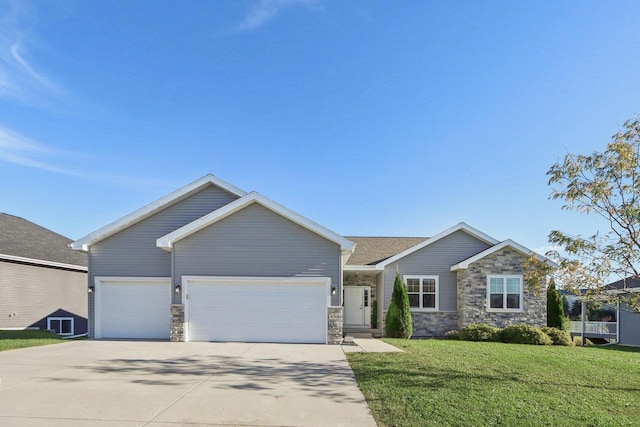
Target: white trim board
x=43 y=262
x=145 y=212
x=353 y=268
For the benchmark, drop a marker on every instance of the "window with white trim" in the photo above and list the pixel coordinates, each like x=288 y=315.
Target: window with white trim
x=61 y=325
x=504 y=293
x=423 y=292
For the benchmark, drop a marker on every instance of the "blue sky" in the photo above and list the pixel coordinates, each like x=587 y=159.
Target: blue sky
x=369 y=117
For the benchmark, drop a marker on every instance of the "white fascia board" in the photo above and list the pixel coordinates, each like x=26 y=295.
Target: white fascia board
x=166 y=242
x=134 y=217
x=225 y=280
x=43 y=262
x=623 y=291
x=510 y=243
x=362 y=268
x=461 y=226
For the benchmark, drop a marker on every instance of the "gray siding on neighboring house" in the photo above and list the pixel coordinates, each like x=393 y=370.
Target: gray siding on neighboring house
x=436 y=259
x=257 y=242
x=33 y=293
x=133 y=251
x=629 y=326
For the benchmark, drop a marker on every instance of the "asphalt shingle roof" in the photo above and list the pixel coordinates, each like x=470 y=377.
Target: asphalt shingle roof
x=372 y=250
x=22 y=238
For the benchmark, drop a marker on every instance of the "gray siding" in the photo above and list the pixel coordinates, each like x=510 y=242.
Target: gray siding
x=133 y=251
x=257 y=242
x=629 y=326
x=33 y=293
x=436 y=259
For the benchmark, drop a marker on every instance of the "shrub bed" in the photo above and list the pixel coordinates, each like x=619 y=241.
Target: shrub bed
x=558 y=336
x=479 y=332
x=513 y=334
x=524 y=334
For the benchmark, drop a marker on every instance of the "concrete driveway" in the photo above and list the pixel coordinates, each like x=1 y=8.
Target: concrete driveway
x=129 y=383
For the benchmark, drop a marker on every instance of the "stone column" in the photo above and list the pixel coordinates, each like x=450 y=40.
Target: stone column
x=177 y=322
x=334 y=330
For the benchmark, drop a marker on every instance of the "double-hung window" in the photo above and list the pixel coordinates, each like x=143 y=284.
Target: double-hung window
x=504 y=293
x=423 y=292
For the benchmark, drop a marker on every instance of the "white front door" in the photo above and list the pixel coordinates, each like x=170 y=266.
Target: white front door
x=357 y=310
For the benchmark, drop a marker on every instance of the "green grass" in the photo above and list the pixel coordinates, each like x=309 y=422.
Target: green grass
x=458 y=383
x=10 y=340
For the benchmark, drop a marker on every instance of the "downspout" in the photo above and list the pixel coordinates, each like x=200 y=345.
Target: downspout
x=618 y=321
x=583 y=305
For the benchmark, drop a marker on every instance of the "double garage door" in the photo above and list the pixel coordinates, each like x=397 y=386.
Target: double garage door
x=216 y=309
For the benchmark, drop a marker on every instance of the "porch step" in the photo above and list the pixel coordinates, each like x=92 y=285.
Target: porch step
x=360 y=334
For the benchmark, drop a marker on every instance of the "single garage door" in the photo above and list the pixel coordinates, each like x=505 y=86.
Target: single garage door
x=257 y=310
x=133 y=308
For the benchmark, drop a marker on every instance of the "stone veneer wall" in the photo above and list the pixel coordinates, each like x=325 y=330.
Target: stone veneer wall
x=433 y=324
x=335 y=320
x=472 y=293
x=428 y=324
x=177 y=322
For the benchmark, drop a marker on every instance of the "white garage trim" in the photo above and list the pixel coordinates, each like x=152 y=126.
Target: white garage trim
x=100 y=281
x=322 y=282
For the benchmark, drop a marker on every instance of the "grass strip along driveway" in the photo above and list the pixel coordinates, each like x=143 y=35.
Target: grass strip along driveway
x=26 y=338
x=458 y=383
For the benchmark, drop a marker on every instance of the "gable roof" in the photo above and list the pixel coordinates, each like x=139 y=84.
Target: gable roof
x=145 y=212
x=25 y=241
x=507 y=243
x=166 y=242
x=373 y=250
x=458 y=227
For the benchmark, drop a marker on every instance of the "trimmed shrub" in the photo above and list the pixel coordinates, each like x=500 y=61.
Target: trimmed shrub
x=558 y=336
x=524 y=334
x=398 y=323
x=577 y=341
x=452 y=335
x=479 y=332
x=556 y=317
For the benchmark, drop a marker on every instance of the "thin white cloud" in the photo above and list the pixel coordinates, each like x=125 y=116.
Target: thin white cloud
x=20 y=150
x=19 y=79
x=44 y=82
x=266 y=10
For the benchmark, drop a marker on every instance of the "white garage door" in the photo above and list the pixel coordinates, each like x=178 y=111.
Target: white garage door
x=133 y=308
x=256 y=310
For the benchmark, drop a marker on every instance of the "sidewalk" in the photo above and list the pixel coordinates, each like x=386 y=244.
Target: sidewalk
x=369 y=345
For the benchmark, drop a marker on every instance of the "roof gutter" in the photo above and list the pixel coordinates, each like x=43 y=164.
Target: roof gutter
x=43 y=262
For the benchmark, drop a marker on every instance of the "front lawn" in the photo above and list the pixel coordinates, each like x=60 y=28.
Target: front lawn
x=459 y=383
x=27 y=338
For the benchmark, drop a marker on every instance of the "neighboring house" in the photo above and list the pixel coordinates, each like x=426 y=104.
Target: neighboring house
x=628 y=318
x=235 y=266
x=43 y=283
